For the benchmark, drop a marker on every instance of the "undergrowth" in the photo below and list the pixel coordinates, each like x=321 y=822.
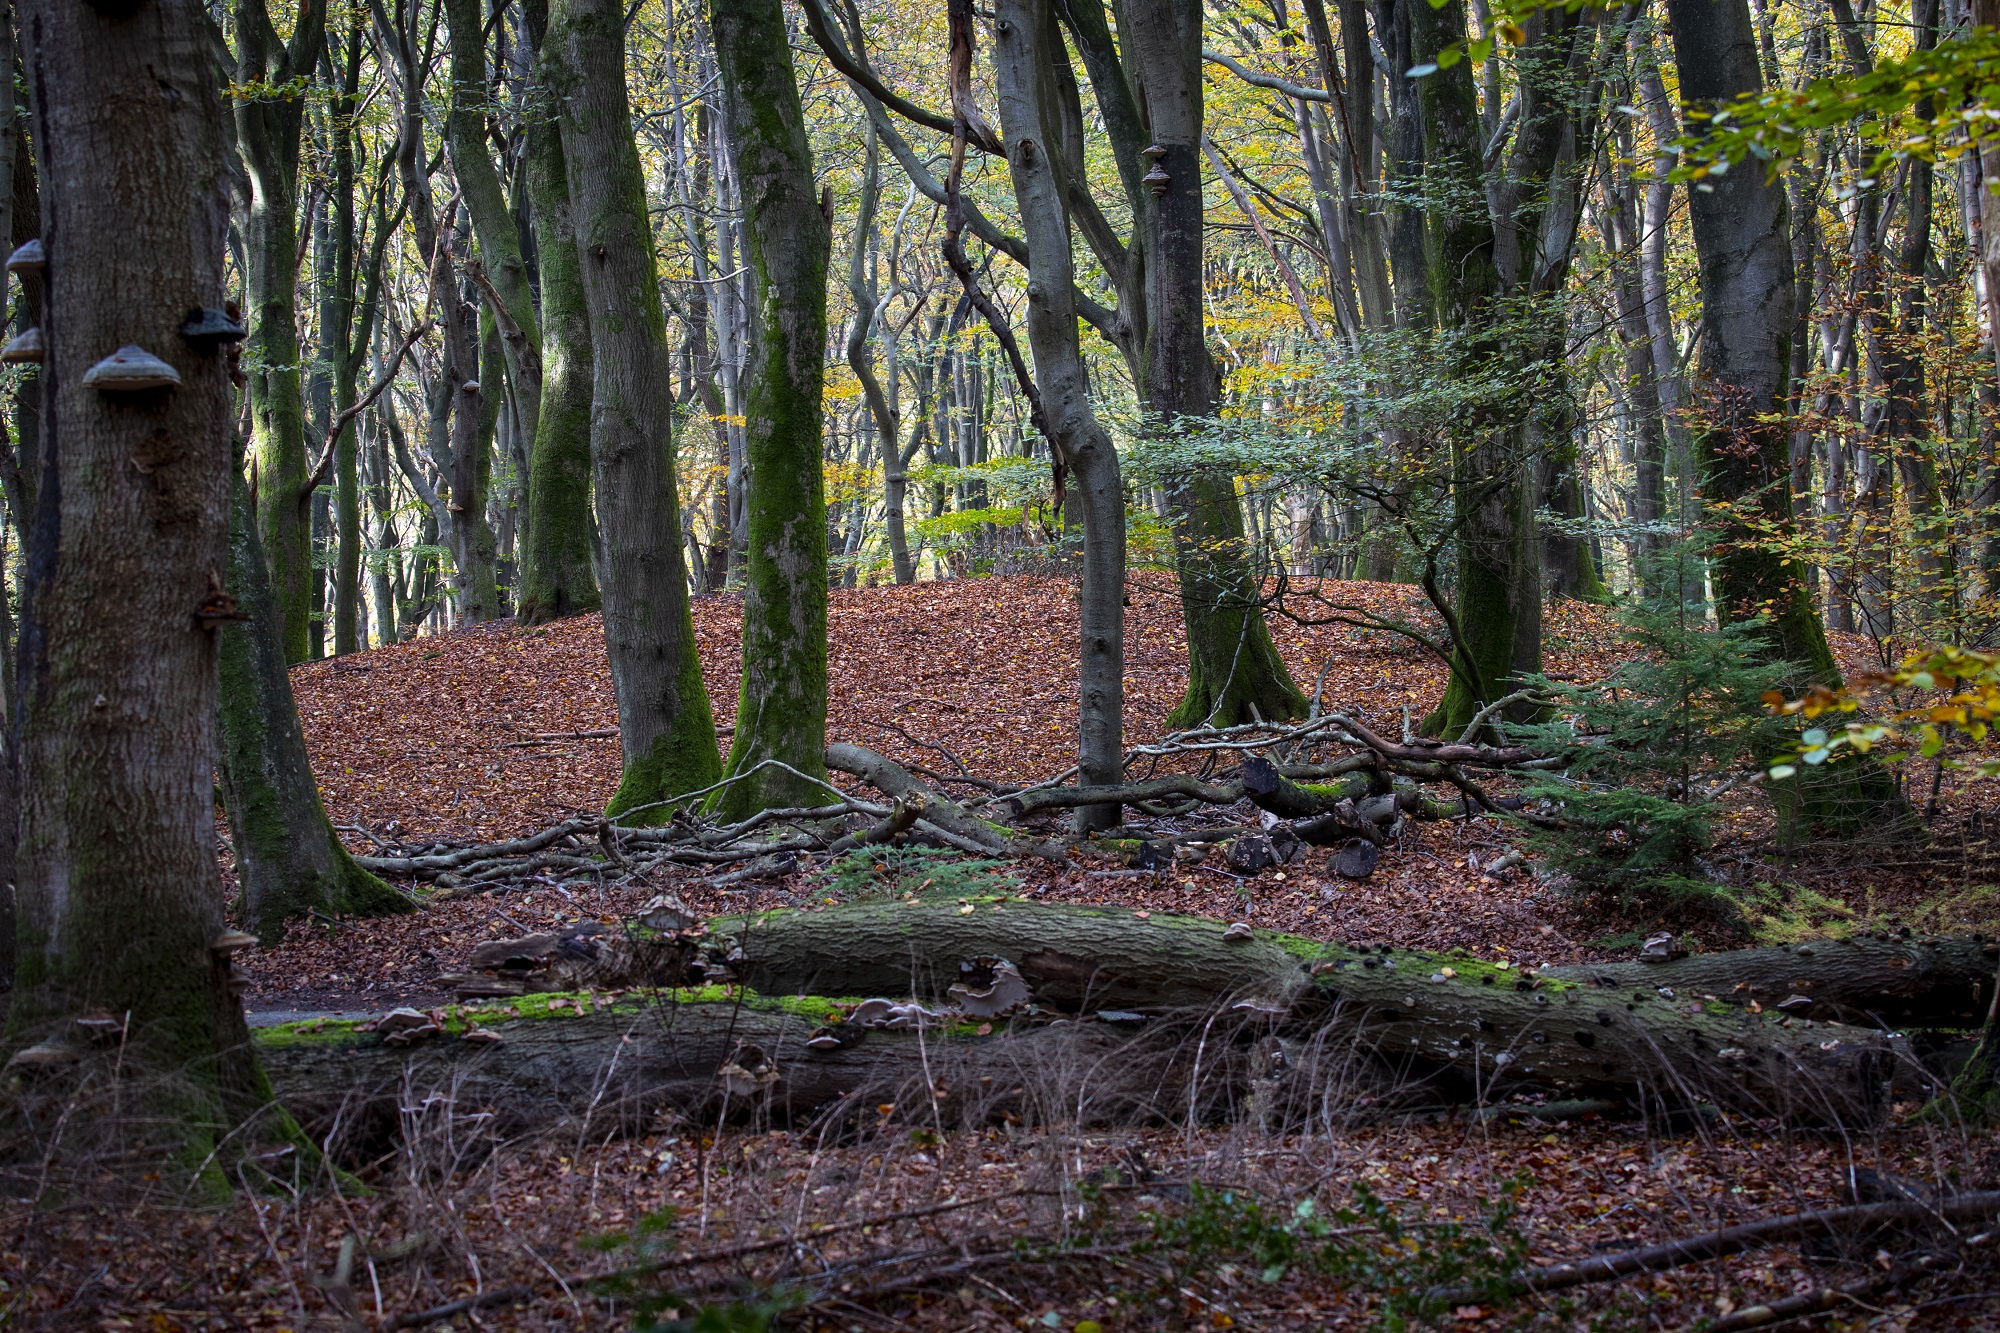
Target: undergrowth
x=894 y=872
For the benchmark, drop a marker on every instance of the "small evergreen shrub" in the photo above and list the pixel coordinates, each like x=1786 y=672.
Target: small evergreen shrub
x=1649 y=751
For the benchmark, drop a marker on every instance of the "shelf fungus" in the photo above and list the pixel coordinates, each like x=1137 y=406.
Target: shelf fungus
x=988 y=988
x=1239 y=931
x=747 y=1074
x=44 y=1056
x=207 y=328
x=131 y=369
x=29 y=258
x=101 y=1026
x=231 y=942
x=24 y=349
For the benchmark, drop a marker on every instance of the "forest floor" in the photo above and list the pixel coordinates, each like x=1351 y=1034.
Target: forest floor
x=496 y=731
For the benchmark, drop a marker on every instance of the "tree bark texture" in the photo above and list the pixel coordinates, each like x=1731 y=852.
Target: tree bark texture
x=558 y=531
x=486 y=204
x=269 y=119
x=1146 y=1018
x=1023 y=69
x=782 y=711
x=1743 y=243
x=118 y=739
x=665 y=726
x=288 y=861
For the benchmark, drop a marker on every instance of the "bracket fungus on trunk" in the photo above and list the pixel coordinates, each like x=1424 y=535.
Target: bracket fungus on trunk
x=24 y=349
x=131 y=369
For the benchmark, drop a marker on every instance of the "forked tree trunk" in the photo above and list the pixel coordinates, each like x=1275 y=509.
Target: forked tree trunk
x=1023 y=69
x=288 y=861
x=782 y=711
x=557 y=531
x=665 y=726
x=120 y=901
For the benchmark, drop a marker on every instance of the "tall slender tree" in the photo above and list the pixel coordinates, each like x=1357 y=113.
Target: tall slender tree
x=558 y=534
x=782 y=713
x=664 y=722
x=1025 y=73
x=272 y=73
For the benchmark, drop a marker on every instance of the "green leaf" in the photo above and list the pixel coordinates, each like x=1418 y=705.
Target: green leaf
x=1779 y=772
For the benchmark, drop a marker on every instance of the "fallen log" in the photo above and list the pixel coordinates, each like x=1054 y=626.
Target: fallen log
x=1482 y=1022
x=1134 y=960
x=713 y=1057
x=1271 y=790
x=1485 y=1022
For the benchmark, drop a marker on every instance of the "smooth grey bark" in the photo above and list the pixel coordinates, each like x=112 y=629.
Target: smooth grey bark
x=1234 y=670
x=118 y=666
x=1022 y=69
x=485 y=198
x=881 y=411
x=665 y=725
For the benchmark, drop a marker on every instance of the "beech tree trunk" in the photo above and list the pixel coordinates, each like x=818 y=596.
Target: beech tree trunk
x=557 y=531
x=1234 y=671
x=781 y=714
x=486 y=204
x=288 y=861
x=119 y=895
x=268 y=126
x=665 y=726
x=1023 y=69
x=1742 y=446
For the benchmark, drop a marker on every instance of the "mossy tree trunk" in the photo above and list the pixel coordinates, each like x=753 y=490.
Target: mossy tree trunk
x=782 y=712
x=1025 y=71
x=120 y=900
x=268 y=126
x=664 y=722
x=288 y=860
x=557 y=531
x=1496 y=269
x=1234 y=671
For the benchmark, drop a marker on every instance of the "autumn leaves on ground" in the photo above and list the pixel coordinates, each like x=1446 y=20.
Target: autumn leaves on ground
x=496 y=731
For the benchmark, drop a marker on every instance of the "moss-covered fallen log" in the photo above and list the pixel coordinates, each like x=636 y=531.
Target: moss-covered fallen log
x=723 y=1053
x=1135 y=1017
x=1121 y=958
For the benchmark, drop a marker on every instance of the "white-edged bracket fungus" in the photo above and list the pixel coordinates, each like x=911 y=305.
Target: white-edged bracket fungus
x=1239 y=931
x=24 y=349
x=100 y=1025
x=50 y=1054
x=232 y=942
x=29 y=258
x=470 y=386
x=482 y=1037
x=131 y=369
